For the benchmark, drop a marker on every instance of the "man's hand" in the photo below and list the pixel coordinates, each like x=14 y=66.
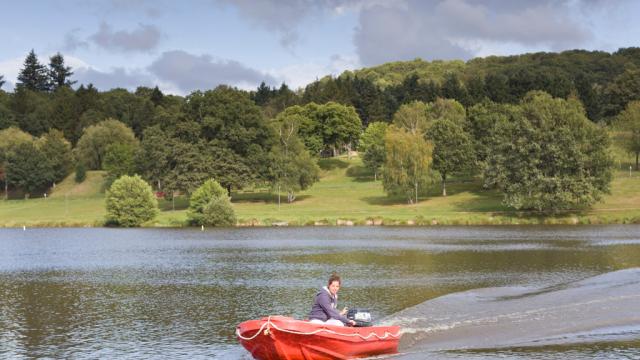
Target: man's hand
x=352 y=322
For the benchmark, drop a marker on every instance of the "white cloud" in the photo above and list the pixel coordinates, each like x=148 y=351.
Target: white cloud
x=10 y=69
x=299 y=75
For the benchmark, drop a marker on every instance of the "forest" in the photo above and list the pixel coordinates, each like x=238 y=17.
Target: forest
x=537 y=127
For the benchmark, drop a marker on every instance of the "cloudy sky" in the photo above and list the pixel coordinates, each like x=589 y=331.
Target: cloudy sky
x=197 y=44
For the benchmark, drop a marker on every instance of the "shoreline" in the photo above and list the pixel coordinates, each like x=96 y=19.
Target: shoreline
x=434 y=221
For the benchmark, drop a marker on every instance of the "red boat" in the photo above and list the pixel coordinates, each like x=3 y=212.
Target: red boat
x=284 y=338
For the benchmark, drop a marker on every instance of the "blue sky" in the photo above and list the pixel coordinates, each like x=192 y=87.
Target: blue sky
x=197 y=44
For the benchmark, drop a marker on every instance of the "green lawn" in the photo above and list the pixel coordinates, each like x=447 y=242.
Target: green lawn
x=346 y=192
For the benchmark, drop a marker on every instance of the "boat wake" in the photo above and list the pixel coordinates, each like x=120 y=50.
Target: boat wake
x=604 y=308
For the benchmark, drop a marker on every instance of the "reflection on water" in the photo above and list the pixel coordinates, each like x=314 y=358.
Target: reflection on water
x=156 y=293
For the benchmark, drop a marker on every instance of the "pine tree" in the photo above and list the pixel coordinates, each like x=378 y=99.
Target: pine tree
x=58 y=73
x=33 y=75
x=156 y=96
x=262 y=94
x=1 y=80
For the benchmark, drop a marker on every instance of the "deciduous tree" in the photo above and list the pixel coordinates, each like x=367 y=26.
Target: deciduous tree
x=371 y=146
x=118 y=161
x=453 y=150
x=95 y=139
x=550 y=156
x=629 y=123
x=57 y=151
x=29 y=169
x=407 y=163
x=292 y=168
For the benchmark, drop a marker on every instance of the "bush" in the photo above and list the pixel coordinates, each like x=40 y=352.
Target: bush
x=130 y=202
x=81 y=172
x=218 y=212
x=210 y=205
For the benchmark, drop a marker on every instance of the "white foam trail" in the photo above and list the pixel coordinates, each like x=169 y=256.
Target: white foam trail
x=589 y=310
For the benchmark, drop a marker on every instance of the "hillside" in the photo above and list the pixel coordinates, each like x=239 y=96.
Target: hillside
x=91 y=187
x=346 y=194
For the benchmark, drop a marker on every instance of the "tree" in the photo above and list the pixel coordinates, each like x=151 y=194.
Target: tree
x=406 y=167
x=481 y=123
x=292 y=168
x=341 y=126
x=59 y=74
x=497 y=87
x=210 y=205
x=230 y=169
x=152 y=158
x=549 y=157
x=372 y=146
x=412 y=117
x=629 y=122
x=331 y=126
x=29 y=169
x=7 y=117
x=476 y=88
x=32 y=110
x=309 y=128
x=130 y=202
x=228 y=118
x=156 y=97
x=57 y=151
x=190 y=165
x=622 y=90
x=262 y=94
x=33 y=75
x=10 y=138
x=453 y=150
x=448 y=109
x=66 y=111
x=95 y=139
x=118 y=161
x=453 y=89
x=2 y=81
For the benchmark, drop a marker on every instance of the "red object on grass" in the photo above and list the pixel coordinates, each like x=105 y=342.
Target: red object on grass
x=280 y=337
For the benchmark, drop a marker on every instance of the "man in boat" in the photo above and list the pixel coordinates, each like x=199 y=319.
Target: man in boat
x=324 y=309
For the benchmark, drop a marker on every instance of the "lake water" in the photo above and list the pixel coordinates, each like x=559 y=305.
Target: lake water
x=458 y=292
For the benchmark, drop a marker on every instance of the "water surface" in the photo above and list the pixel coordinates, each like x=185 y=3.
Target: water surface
x=460 y=292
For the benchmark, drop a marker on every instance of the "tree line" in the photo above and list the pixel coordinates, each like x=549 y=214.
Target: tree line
x=414 y=122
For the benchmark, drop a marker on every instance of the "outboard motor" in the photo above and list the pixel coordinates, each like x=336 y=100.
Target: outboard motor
x=362 y=317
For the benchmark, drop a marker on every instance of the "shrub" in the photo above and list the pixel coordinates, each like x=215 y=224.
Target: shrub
x=210 y=205
x=81 y=172
x=218 y=212
x=130 y=202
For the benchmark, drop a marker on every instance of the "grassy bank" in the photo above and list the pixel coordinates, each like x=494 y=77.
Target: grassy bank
x=346 y=194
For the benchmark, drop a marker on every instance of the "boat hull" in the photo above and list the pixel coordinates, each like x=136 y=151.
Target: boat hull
x=278 y=337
